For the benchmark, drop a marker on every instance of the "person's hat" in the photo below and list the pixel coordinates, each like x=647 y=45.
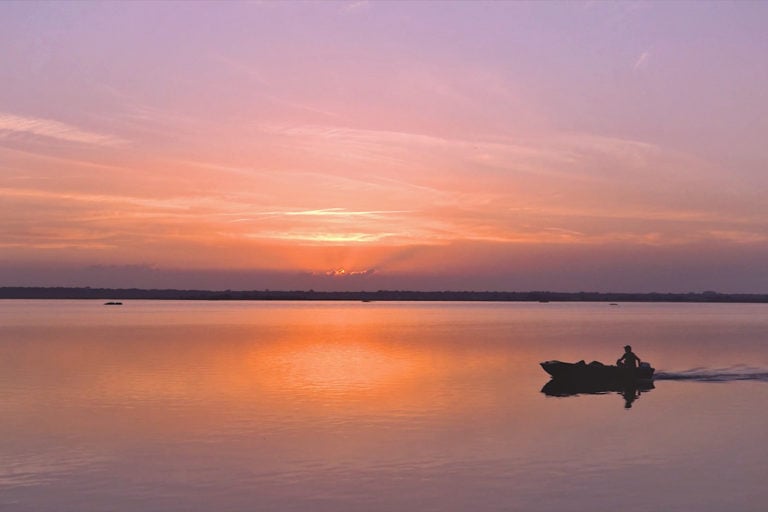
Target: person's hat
x=628 y=346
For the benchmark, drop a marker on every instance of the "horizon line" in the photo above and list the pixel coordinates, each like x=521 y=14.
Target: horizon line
x=87 y=292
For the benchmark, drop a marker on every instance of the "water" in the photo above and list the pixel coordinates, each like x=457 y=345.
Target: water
x=249 y=406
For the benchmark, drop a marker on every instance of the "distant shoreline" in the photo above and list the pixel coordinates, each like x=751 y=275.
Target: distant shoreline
x=381 y=295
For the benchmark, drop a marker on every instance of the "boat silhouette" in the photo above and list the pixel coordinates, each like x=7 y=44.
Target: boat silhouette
x=596 y=372
x=595 y=378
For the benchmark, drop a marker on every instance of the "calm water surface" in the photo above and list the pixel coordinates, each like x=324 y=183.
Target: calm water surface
x=250 y=406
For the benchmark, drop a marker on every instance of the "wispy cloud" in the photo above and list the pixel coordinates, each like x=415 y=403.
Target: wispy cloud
x=341 y=272
x=323 y=237
x=340 y=212
x=13 y=124
x=265 y=88
x=357 y=6
x=642 y=61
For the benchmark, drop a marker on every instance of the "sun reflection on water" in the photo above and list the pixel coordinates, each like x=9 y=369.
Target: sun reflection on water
x=339 y=367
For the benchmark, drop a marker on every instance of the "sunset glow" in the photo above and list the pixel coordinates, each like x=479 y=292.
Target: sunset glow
x=371 y=145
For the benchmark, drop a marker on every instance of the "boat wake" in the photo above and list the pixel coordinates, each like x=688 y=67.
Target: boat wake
x=731 y=374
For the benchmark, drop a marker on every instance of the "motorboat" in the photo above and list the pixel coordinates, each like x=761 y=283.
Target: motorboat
x=597 y=372
x=596 y=378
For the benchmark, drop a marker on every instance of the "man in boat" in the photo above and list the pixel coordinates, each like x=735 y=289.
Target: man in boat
x=629 y=359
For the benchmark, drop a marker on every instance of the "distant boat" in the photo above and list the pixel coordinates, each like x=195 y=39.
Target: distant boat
x=111 y=303
x=613 y=304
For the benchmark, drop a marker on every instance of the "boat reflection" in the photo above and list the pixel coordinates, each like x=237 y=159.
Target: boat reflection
x=630 y=391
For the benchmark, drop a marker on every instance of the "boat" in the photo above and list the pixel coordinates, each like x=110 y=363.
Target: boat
x=596 y=378
x=113 y=303
x=596 y=372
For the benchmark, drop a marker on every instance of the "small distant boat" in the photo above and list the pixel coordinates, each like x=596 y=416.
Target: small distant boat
x=113 y=303
x=596 y=372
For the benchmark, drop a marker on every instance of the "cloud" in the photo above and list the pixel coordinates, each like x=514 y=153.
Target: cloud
x=323 y=237
x=563 y=188
x=642 y=61
x=10 y=124
x=340 y=272
x=352 y=7
x=339 y=212
x=265 y=88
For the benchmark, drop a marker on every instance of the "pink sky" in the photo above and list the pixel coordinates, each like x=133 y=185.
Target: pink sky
x=366 y=145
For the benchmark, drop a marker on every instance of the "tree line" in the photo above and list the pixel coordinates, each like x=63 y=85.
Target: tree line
x=380 y=295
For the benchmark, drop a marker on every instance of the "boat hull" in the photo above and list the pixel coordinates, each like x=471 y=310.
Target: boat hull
x=596 y=373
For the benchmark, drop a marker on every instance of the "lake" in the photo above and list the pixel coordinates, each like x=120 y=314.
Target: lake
x=349 y=406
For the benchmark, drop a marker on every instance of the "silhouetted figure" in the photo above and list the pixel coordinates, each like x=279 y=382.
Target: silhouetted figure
x=629 y=359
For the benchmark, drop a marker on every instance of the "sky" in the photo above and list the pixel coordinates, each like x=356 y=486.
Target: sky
x=365 y=145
